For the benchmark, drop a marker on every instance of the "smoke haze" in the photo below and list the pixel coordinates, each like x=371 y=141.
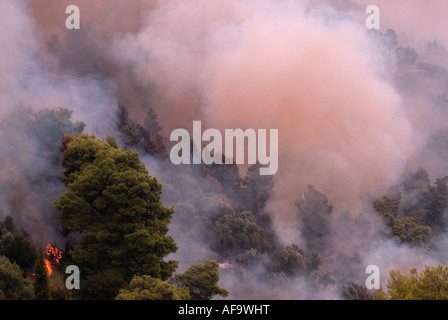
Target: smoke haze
x=348 y=124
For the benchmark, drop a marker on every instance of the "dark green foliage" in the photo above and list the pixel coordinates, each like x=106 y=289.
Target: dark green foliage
x=236 y=233
x=251 y=258
x=16 y=246
x=405 y=229
x=435 y=201
x=41 y=283
x=135 y=136
x=388 y=206
x=356 y=292
x=33 y=182
x=293 y=261
x=416 y=216
x=427 y=205
x=104 y=285
x=7 y=225
x=229 y=178
x=256 y=192
x=115 y=205
x=19 y=248
x=12 y=284
x=410 y=232
x=149 y=288
x=291 y=264
x=290 y=261
x=314 y=262
x=201 y=280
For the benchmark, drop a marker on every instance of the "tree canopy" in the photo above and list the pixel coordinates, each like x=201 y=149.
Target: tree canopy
x=41 y=282
x=430 y=284
x=201 y=280
x=12 y=284
x=149 y=288
x=113 y=202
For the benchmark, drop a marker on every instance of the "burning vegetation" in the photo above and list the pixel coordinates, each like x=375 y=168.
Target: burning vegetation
x=53 y=257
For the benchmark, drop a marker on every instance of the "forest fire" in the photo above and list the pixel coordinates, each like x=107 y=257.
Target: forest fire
x=353 y=119
x=53 y=258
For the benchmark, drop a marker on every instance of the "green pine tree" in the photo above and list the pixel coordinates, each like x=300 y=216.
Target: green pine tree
x=115 y=205
x=41 y=283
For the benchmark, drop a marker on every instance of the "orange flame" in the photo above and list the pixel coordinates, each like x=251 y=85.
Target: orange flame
x=53 y=257
x=48 y=267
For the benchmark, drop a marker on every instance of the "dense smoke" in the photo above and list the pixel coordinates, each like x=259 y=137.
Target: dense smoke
x=25 y=86
x=348 y=123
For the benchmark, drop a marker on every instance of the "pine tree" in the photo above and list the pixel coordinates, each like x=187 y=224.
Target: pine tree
x=41 y=283
x=202 y=281
x=144 y=138
x=151 y=123
x=115 y=205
